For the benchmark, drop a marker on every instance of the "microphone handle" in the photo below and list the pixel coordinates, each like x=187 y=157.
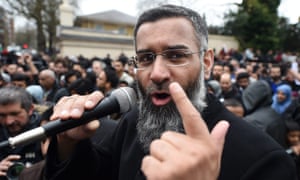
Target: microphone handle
x=58 y=126
x=4 y=144
x=105 y=107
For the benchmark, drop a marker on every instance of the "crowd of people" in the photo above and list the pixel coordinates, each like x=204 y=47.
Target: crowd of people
x=261 y=90
x=31 y=85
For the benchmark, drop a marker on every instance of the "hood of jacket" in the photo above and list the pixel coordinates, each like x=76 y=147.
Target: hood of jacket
x=258 y=94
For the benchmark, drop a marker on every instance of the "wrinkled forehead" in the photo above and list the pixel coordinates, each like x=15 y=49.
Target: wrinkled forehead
x=167 y=32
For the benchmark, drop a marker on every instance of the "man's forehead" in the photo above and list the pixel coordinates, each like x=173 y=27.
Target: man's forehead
x=165 y=33
x=12 y=104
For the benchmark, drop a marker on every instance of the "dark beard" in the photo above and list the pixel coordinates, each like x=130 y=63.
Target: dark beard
x=276 y=78
x=102 y=89
x=154 y=120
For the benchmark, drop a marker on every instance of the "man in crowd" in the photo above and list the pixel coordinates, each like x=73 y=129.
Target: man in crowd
x=107 y=80
x=177 y=131
x=48 y=81
x=228 y=89
x=119 y=65
x=275 y=77
x=17 y=115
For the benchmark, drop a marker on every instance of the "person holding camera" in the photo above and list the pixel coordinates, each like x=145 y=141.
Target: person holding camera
x=17 y=115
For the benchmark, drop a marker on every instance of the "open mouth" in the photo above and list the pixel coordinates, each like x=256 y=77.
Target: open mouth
x=160 y=99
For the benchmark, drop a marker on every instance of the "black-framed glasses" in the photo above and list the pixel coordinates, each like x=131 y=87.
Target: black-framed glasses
x=171 y=57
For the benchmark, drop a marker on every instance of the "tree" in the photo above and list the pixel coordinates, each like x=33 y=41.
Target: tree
x=255 y=24
x=45 y=15
x=51 y=22
x=3 y=29
x=24 y=36
x=290 y=35
x=32 y=10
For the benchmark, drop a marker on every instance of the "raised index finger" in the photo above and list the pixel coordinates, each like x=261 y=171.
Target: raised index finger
x=192 y=121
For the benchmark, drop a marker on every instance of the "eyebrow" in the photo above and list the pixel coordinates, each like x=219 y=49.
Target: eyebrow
x=167 y=48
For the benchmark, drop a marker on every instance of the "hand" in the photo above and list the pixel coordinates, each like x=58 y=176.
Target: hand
x=27 y=58
x=7 y=162
x=194 y=155
x=296 y=149
x=73 y=107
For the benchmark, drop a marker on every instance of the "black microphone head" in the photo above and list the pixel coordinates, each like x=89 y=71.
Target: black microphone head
x=126 y=98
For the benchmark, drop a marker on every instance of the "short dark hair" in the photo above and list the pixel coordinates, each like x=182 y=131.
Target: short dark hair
x=81 y=86
x=232 y=102
x=292 y=125
x=242 y=75
x=20 y=77
x=111 y=76
x=13 y=94
x=168 y=11
x=71 y=73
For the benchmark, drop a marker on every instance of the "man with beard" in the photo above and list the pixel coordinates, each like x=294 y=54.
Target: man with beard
x=275 y=77
x=17 y=115
x=165 y=137
x=217 y=71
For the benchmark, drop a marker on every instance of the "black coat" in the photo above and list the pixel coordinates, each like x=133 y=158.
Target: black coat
x=248 y=153
x=30 y=153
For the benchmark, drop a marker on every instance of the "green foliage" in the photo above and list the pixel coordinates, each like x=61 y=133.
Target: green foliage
x=255 y=24
x=289 y=35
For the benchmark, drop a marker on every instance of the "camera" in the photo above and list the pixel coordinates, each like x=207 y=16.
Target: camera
x=15 y=170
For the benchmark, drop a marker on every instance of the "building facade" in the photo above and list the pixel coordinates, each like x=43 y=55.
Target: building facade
x=109 y=32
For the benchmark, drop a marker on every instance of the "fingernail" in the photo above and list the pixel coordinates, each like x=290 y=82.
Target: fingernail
x=175 y=86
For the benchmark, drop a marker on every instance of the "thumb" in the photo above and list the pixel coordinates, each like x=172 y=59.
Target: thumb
x=92 y=126
x=219 y=132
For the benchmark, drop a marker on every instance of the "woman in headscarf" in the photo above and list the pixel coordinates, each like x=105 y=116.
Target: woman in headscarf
x=282 y=98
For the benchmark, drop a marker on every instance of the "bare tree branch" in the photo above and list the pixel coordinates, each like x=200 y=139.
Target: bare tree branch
x=45 y=15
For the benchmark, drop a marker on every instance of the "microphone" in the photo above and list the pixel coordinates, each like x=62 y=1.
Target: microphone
x=121 y=100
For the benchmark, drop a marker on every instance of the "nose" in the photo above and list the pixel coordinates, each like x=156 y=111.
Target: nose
x=159 y=72
x=8 y=119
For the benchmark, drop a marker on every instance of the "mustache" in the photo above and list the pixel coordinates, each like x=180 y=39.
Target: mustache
x=157 y=87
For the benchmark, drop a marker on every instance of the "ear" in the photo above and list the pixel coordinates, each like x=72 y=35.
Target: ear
x=30 y=111
x=208 y=62
x=107 y=85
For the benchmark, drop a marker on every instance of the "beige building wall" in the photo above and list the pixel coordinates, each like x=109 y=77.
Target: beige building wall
x=218 y=42
x=92 y=49
x=91 y=43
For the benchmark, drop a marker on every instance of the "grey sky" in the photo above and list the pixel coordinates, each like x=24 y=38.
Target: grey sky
x=214 y=9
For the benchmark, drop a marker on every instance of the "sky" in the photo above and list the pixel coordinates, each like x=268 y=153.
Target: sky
x=213 y=9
